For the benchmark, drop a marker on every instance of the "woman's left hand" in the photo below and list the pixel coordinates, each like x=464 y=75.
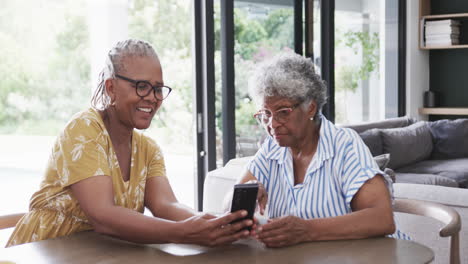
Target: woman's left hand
x=283 y=231
x=262 y=196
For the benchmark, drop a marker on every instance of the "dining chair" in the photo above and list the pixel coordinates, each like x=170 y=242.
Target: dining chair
x=7 y=221
x=448 y=216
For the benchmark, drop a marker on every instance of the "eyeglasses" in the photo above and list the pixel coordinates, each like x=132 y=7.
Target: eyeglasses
x=143 y=88
x=265 y=117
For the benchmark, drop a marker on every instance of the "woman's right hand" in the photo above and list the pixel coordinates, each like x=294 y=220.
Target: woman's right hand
x=208 y=230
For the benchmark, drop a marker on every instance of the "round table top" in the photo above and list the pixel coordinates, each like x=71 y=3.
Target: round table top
x=90 y=247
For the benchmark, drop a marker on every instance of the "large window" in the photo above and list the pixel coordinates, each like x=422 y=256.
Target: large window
x=366 y=65
x=260 y=31
x=358 y=52
x=44 y=80
x=51 y=54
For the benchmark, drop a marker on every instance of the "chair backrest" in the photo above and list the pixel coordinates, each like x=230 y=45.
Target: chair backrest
x=10 y=220
x=448 y=216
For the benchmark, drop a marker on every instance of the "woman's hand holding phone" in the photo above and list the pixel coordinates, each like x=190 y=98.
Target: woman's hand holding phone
x=262 y=196
x=245 y=198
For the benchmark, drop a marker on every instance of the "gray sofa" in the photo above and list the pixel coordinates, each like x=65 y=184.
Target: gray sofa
x=434 y=153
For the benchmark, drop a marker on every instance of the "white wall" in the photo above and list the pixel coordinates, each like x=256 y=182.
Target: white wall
x=417 y=63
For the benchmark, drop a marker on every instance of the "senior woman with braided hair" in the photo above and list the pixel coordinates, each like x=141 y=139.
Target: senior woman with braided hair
x=320 y=181
x=102 y=172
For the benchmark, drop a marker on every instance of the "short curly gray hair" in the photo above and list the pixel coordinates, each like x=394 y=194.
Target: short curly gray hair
x=115 y=63
x=288 y=75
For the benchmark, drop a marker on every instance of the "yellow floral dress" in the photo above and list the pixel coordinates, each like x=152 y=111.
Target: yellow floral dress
x=84 y=149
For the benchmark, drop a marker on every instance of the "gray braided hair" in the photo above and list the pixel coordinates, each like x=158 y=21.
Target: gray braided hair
x=115 y=63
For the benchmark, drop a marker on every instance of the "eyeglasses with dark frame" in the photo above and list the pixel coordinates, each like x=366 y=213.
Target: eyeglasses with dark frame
x=143 y=88
x=265 y=117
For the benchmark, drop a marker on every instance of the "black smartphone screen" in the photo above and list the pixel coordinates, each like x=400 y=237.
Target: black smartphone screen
x=245 y=198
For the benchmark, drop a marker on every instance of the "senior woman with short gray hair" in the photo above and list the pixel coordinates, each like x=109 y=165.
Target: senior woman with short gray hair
x=320 y=182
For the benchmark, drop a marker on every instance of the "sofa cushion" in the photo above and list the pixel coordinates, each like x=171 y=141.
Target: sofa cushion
x=450 y=138
x=373 y=141
x=387 y=123
x=455 y=169
x=220 y=181
x=407 y=145
x=461 y=177
x=420 y=178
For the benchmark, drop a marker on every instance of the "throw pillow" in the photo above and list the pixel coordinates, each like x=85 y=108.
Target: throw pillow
x=407 y=145
x=390 y=174
x=450 y=138
x=382 y=160
x=373 y=141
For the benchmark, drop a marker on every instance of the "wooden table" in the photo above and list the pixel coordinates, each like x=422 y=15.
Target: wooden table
x=90 y=247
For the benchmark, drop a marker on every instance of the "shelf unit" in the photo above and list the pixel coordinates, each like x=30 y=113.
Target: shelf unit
x=425 y=14
x=444 y=111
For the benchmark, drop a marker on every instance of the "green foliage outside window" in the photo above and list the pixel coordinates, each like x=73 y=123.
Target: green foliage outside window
x=361 y=42
x=45 y=71
x=255 y=39
x=44 y=75
x=365 y=47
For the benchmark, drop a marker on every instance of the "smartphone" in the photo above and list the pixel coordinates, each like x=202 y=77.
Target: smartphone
x=245 y=198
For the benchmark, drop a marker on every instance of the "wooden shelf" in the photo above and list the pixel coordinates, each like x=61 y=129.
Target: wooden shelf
x=462 y=46
x=445 y=16
x=444 y=111
x=425 y=14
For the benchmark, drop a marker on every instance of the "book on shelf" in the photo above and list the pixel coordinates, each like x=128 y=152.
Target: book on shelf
x=450 y=22
x=443 y=36
x=444 y=42
x=430 y=39
x=439 y=32
x=442 y=29
x=422 y=25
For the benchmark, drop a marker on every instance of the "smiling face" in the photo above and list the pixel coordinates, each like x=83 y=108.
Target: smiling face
x=295 y=129
x=131 y=110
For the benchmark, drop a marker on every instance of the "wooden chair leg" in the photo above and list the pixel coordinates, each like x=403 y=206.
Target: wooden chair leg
x=7 y=221
x=454 y=249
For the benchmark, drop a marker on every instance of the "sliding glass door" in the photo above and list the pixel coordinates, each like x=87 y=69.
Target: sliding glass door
x=355 y=44
x=259 y=30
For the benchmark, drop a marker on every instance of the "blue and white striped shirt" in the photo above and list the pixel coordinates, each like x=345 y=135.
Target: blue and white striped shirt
x=340 y=166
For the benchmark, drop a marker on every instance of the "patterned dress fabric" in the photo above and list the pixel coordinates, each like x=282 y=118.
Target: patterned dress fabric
x=84 y=149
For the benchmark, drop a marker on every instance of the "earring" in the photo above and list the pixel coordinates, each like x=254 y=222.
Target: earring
x=312 y=118
x=112 y=103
